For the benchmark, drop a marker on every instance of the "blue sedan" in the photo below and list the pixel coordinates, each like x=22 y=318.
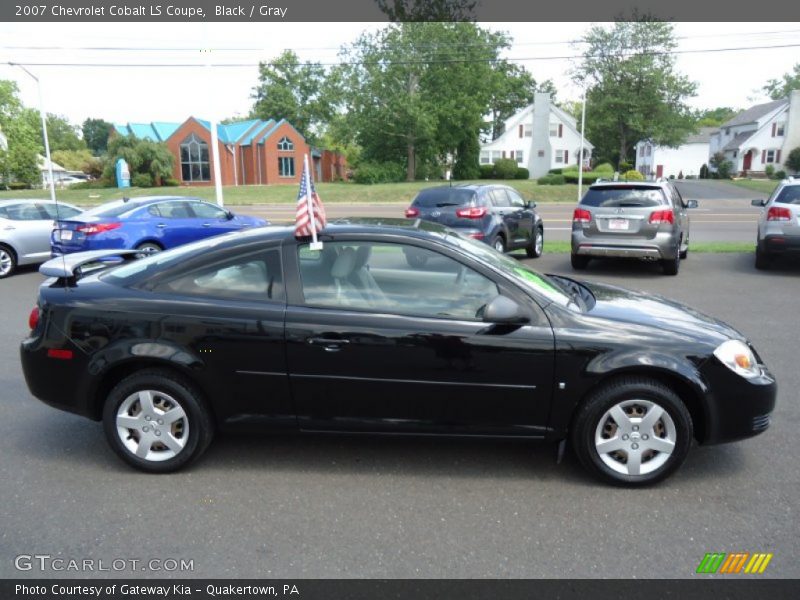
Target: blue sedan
x=149 y=224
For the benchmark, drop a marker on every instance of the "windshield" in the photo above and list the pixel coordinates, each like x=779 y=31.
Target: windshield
x=443 y=196
x=623 y=196
x=519 y=272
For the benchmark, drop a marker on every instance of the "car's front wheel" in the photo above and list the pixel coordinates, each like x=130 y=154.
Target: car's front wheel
x=536 y=247
x=633 y=431
x=499 y=244
x=155 y=421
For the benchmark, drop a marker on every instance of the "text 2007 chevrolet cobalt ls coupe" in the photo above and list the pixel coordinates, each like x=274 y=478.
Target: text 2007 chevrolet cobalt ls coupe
x=255 y=330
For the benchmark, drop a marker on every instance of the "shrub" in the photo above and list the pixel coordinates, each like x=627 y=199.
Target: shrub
x=522 y=173
x=704 y=171
x=722 y=165
x=505 y=168
x=793 y=160
x=387 y=172
x=18 y=185
x=552 y=179
x=588 y=178
x=142 y=180
x=486 y=172
x=780 y=174
x=555 y=171
x=624 y=166
x=170 y=182
x=91 y=185
x=770 y=171
x=633 y=175
x=606 y=168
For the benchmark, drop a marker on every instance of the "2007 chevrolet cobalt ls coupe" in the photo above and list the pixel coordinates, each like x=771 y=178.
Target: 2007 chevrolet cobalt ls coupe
x=256 y=330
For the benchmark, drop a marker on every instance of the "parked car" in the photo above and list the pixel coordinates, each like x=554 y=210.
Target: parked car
x=257 y=331
x=25 y=227
x=495 y=214
x=779 y=223
x=645 y=220
x=148 y=224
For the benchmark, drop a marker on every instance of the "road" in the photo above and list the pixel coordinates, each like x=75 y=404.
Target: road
x=294 y=506
x=724 y=214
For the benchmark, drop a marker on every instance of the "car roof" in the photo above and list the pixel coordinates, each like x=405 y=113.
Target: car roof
x=465 y=186
x=10 y=201
x=622 y=183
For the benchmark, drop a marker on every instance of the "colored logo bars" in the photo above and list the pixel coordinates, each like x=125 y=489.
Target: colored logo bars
x=735 y=562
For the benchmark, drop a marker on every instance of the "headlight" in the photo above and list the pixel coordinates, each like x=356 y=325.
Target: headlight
x=738 y=358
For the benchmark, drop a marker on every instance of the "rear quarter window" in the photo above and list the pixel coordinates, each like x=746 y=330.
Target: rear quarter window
x=624 y=196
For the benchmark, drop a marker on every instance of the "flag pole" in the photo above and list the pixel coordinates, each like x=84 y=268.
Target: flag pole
x=315 y=244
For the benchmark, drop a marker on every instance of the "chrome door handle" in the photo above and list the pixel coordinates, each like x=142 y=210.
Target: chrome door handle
x=206 y=224
x=330 y=344
x=161 y=225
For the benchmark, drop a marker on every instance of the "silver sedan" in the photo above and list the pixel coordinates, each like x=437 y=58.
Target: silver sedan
x=25 y=227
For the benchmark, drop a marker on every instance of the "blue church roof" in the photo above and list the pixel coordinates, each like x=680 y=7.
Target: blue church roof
x=241 y=132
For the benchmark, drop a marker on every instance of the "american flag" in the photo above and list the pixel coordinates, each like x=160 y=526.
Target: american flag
x=306 y=208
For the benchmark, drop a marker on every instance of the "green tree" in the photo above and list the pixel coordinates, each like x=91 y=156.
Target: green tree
x=62 y=134
x=22 y=129
x=722 y=165
x=291 y=90
x=714 y=117
x=73 y=160
x=780 y=88
x=793 y=160
x=95 y=134
x=634 y=91
x=416 y=93
x=428 y=10
x=143 y=157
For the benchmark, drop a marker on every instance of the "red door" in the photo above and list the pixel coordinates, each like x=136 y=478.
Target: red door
x=748 y=160
x=659 y=170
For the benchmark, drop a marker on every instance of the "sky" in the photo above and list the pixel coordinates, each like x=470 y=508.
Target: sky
x=142 y=94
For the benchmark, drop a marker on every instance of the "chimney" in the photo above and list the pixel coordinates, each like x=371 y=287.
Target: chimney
x=791 y=133
x=540 y=141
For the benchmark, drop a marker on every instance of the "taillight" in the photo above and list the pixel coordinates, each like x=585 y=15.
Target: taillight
x=473 y=212
x=412 y=212
x=94 y=228
x=776 y=213
x=662 y=216
x=581 y=215
x=33 y=318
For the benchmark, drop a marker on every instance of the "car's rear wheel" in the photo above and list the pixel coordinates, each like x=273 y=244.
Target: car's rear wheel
x=671 y=266
x=579 y=262
x=536 y=247
x=149 y=248
x=633 y=431
x=685 y=251
x=155 y=421
x=8 y=261
x=499 y=244
x=763 y=260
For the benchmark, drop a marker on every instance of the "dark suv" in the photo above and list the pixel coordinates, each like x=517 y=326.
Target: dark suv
x=495 y=214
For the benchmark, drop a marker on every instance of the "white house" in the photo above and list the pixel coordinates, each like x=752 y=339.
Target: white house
x=759 y=136
x=540 y=137
x=59 y=172
x=686 y=159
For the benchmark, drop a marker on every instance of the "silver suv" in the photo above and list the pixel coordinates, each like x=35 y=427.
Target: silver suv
x=779 y=223
x=636 y=219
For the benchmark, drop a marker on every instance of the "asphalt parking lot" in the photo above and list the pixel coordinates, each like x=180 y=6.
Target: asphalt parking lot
x=295 y=506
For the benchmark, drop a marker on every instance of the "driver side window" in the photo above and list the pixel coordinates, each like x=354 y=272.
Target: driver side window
x=392 y=278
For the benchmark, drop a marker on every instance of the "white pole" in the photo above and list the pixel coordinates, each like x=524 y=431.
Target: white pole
x=580 y=153
x=44 y=131
x=213 y=125
x=315 y=245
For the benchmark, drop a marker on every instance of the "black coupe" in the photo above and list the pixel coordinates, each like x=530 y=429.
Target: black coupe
x=256 y=330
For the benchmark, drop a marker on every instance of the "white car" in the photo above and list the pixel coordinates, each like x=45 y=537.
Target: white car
x=25 y=227
x=779 y=223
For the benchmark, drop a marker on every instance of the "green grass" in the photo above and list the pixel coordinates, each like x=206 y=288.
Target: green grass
x=563 y=247
x=764 y=186
x=401 y=193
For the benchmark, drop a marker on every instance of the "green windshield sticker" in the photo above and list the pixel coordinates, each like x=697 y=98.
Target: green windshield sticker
x=534 y=279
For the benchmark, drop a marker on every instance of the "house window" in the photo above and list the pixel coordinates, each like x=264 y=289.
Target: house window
x=770 y=156
x=489 y=157
x=553 y=129
x=285 y=144
x=286 y=166
x=647 y=150
x=735 y=153
x=485 y=158
x=779 y=129
x=641 y=150
x=194 y=160
x=519 y=156
x=527 y=130
x=559 y=156
x=727 y=131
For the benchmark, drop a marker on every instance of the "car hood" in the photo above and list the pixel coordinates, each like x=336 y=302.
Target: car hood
x=651 y=310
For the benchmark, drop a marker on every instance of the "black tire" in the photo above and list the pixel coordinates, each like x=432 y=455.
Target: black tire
x=591 y=425
x=416 y=259
x=499 y=243
x=763 y=259
x=671 y=266
x=536 y=247
x=8 y=261
x=167 y=389
x=149 y=248
x=579 y=263
x=685 y=253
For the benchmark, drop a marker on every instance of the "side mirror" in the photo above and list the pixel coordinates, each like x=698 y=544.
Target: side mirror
x=228 y=215
x=530 y=204
x=503 y=310
x=691 y=204
x=758 y=202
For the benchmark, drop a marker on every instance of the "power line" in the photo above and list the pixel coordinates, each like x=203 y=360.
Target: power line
x=493 y=59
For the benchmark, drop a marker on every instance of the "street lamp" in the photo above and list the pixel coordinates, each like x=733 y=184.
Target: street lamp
x=44 y=129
